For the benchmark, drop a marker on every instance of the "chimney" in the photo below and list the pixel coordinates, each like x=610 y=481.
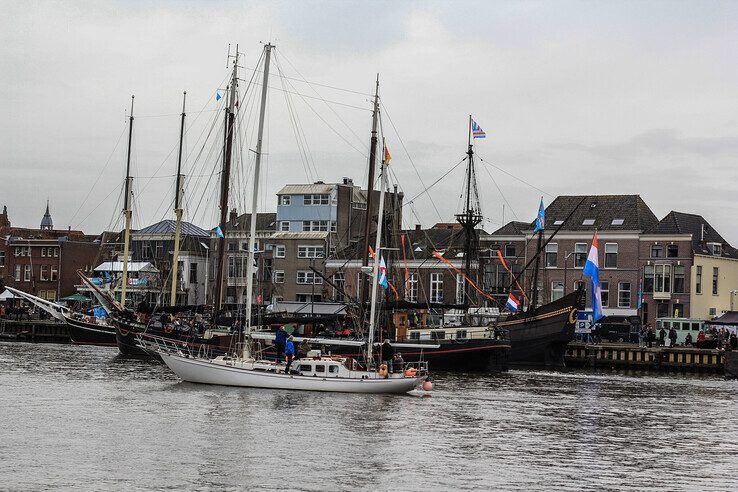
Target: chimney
x=233 y=215
x=348 y=181
x=418 y=227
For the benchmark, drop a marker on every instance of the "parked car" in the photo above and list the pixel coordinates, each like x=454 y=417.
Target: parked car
x=619 y=329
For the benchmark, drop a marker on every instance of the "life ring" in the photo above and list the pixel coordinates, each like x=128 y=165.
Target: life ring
x=411 y=372
x=168 y=328
x=573 y=316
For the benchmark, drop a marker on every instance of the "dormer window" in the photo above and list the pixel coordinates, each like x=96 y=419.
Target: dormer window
x=716 y=249
x=617 y=222
x=588 y=222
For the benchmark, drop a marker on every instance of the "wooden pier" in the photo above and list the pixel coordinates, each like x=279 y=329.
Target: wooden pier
x=35 y=331
x=656 y=358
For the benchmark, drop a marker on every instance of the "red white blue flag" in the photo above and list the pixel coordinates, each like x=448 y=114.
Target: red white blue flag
x=512 y=303
x=383 y=273
x=477 y=131
x=592 y=269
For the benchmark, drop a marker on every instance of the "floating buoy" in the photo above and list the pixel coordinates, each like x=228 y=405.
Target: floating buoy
x=427 y=385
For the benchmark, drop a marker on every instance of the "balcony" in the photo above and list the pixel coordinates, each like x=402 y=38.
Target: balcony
x=661 y=296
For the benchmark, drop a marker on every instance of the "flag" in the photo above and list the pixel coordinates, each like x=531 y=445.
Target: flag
x=218 y=231
x=387 y=155
x=640 y=294
x=592 y=269
x=383 y=273
x=512 y=303
x=218 y=97
x=541 y=219
x=477 y=131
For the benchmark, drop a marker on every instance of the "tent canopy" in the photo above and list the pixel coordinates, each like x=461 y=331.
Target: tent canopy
x=727 y=318
x=6 y=295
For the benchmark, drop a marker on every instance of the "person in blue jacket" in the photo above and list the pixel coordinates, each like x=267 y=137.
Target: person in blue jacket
x=289 y=352
x=280 y=338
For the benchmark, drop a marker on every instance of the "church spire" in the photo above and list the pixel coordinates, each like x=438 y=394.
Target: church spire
x=46 y=223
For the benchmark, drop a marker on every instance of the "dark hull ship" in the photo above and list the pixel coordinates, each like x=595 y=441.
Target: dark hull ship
x=85 y=333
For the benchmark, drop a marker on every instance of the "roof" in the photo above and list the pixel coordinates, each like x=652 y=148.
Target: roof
x=684 y=223
x=601 y=212
x=514 y=228
x=727 y=318
x=46 y=222
x=303 y=189
x=266 y=221
x=299 y=235
x=133 y=266
x=168 y=226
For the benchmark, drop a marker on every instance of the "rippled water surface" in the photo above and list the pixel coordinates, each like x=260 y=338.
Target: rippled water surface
x=83 y=417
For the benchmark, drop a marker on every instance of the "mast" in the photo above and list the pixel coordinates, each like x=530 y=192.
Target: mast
x=178 y=207
x=370 y=189
x=536 y=271
x=255 y=195
x=127 y=209
x=375 y=266
x=225 y=183
x=471 y=217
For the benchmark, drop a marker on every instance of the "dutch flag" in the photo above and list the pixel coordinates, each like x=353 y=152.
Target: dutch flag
x=592 y=269
x=383 y=273
x=512 y=303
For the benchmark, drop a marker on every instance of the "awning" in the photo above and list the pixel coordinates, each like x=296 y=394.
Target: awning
x=6 y=295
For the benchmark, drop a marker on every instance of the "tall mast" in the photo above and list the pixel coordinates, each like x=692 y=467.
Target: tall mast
x=375 y=266
x=225 y=183
x=127 y=209
x=178 y=207
x=471 y=215
x=370 y=189
x=255 y=194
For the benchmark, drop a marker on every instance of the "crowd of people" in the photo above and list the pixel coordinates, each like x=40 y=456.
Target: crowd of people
x=722 y=338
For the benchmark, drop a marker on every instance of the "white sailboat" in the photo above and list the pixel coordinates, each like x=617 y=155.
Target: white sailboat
x=316 y=372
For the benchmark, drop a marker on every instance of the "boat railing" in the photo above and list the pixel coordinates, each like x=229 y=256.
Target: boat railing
x=170 y=346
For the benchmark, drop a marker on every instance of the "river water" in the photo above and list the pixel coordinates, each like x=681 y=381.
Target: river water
x=86 y=418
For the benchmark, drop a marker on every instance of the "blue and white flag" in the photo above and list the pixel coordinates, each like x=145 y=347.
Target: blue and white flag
x=218 y=97
x=592 y=269
x=512 y=303
x=218 y=231
x=640 y=294
x=541 y=219
x=477 y=131
x=383 y=273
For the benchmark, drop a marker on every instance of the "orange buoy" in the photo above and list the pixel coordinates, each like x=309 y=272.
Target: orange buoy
x=427 y=385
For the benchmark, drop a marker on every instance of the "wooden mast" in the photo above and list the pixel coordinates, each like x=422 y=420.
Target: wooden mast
x=127 y=209
x=375 y=265
x=225 y=183
x=369 y=192
x=255 y=196
x=178 y=208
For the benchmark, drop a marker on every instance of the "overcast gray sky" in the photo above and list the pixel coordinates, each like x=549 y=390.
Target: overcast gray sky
x=575 y=97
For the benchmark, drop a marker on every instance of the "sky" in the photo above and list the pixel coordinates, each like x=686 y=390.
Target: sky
x=588 y=97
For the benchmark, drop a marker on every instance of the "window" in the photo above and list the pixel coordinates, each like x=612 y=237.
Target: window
x=715 y=248
x=605 y=291
x=578 y=284
x=679 y=279
x=284 y=225
x=698 y=280
x=662 y=279
x=315 y=225
x=193 y=273
x=715 y=281
x=333 y=226
x=588 y=222
x=320 y=368
x=657 y=251
x=436 y=287
x=624 y=294
x=44 y=276
x=713 y=311
x=644 y=310
x=316 y=199
x=332 y=368
x=678 y=310
x=27 y=273
x=51 y=295
x=285 y=200
x=459 y=288
x=611 y=255
x=672 y=251
x=310 y=251
x=648 y=278
x=306 y=368
x=412 y=288
x=552 y=251
x=17 y=273
x=43 y=253
x=557 y=291
x=232 y=246
x=159 y=250
x=339 y=282
x=278 y=276
x=308 y=298
x=509 y=250
x=662 y=310
x=279 y=251
x=308 y=277
x=580 y=255
x=617 y=222
x=146 y=252
x=2 y=258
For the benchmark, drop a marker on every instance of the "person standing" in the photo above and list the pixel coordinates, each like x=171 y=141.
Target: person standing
x=289 y=352
x=280 y=339
x=672 y=337
x=662 y=337
x=388 y=353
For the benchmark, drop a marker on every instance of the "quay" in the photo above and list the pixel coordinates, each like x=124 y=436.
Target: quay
x=615 y=355
x=35 y=330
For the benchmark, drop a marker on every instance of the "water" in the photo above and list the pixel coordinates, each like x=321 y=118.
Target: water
x=83 y=417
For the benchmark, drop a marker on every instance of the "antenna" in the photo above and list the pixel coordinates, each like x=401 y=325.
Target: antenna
x=228 y=56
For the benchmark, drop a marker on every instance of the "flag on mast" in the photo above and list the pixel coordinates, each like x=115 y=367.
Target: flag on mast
x=477 y=131
x=541 y=218
x=512 y=303
x=387 y=156
x=218 y=97
x=383 y=273
x=592 y=269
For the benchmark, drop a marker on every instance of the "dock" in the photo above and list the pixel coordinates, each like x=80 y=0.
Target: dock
x=35 y=331
x=613 y=355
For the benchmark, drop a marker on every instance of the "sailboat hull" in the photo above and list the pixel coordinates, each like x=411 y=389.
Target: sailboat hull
x=83 y=333
x=203 y=371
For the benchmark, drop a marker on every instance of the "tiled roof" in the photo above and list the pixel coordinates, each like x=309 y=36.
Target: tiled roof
x=601 y=212
x=683 y=223
x=168 y=226
x=514 y=228
x=266 y=221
